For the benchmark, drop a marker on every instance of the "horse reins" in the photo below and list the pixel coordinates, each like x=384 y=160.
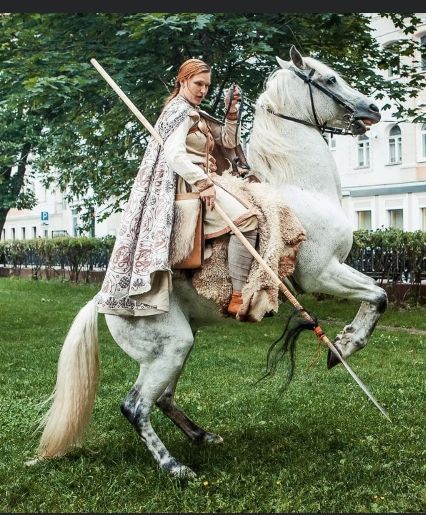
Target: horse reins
x=236 y=162
x=321 y=126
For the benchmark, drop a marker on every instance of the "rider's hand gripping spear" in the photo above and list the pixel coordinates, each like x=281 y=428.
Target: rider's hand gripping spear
x=316 y=328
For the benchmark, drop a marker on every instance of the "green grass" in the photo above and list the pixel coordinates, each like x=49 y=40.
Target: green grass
x=319 y=446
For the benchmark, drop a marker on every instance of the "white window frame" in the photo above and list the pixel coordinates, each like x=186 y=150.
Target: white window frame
x=423 y=53
x=390 y=212
x=359 y=215
x=393 y=71
x=395 y=140
x=423 y=141
x=363 y=148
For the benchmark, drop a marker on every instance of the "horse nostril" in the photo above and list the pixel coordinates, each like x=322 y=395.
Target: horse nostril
x=374 y=108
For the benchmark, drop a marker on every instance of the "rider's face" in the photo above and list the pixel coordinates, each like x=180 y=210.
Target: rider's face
x=195 y=88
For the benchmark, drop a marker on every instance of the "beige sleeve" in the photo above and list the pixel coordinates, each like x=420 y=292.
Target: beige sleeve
x=225 y=134
x=177 y=157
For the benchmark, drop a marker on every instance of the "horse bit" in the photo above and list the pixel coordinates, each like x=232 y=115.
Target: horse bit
x=322 y=127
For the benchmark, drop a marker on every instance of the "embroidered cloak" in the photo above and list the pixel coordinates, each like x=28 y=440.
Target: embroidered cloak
x=139 y=261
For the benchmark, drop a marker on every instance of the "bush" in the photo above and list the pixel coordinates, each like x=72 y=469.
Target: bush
x=57 y=255
x=391 y=256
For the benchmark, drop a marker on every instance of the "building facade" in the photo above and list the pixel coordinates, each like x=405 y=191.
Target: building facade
x=51 y=217
x=383 y=172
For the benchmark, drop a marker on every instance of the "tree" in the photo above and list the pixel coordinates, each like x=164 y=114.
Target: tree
x=58 y=110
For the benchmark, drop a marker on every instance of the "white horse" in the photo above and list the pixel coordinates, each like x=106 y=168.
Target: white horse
x=294 y=158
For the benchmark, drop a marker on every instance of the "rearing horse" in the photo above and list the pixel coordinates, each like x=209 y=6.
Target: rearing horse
x=288 y=150
x=291 y=155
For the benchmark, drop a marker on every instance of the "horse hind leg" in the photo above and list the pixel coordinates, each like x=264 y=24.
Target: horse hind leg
x=136 y=407
x=160 y=344
x=195 y=433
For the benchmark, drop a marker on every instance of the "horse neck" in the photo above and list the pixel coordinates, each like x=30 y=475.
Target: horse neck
x=288 y=153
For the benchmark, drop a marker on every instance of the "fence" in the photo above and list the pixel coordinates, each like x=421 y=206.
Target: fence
x=391 y=256
x=57 y=257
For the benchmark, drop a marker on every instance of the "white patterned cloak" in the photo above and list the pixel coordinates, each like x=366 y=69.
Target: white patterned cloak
x=139 y=262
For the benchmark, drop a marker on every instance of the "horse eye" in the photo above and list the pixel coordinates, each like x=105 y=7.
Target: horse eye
x=331 y=80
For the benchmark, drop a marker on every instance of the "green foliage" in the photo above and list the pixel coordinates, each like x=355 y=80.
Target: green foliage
x=391 y=256
x=321 y=447
x=58 y=114
x=71 y=254
x=391 y=239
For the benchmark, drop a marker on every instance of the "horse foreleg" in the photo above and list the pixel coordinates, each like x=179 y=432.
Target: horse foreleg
x=341 y=280
x=168 y=406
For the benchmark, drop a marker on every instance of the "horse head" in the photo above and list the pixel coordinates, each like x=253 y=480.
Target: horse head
x=321 y=96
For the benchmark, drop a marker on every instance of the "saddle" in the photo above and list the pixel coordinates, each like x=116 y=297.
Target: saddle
x=280 y=235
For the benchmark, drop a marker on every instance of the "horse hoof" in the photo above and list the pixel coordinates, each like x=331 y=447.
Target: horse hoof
x=332 y=360
x=183 y=472
x=212 y=438
x=34 y=461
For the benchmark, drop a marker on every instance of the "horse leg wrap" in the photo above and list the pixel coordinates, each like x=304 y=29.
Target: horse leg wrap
x=240 y=259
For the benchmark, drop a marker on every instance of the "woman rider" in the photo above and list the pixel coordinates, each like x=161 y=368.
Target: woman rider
x=138 y=278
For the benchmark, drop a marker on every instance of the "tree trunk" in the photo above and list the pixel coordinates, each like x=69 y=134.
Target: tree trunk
x=3 y=215
x=13 y=184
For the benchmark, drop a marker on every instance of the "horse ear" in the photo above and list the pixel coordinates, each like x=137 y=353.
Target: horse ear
x=282 y=63
x=296 y=57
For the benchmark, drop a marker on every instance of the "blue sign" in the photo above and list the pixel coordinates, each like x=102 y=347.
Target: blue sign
x=44 y=216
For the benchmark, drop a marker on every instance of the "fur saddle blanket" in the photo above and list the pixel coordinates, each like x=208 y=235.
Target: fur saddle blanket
x=280 y=235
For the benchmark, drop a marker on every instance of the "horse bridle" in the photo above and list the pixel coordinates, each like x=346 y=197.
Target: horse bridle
x=322 y=127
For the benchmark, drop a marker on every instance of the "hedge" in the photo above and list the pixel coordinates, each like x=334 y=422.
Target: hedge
x=388 y=255
x=57 y=255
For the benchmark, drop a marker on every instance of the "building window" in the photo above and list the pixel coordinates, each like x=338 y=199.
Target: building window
x=46 y=233
x=395 y=145
x=394 y=59
x=423 y=133
x=396 y=218
x=364 y=219
x=424 y=218
x=423 y=53
x=331 y=142
x=363 y=151
x=4 y=234
x=34 y=232
x=23 y=233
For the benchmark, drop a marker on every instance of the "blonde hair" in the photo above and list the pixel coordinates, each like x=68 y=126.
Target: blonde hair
x=187 y=70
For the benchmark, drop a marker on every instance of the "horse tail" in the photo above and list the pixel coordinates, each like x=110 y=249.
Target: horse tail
x=286 y=344
x=76 y=383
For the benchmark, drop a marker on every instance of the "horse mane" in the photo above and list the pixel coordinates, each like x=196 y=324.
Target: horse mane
x=269 y=153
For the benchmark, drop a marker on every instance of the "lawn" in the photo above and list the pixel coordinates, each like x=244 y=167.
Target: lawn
x=319 y=446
